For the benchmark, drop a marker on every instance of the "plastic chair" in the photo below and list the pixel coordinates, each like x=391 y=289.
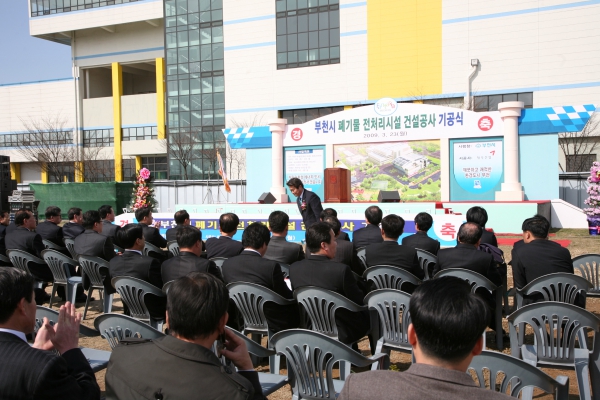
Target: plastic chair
x=521 y=376
x=219 y=263
x=390 y=277
x=285 y=268
x=150 y=248
x=272 y=381
x=50 y=245
x=250 y=299
x=59 y=265
x=589 y=267
x=98 y=359
x=361 y=253
x=427 y=261
x=166 y=287
x=173 y=247
x=556 y=326
x=91 y=267
x=70 y=245
x=20 y=259
x=116 y=327
x=4 y=259
x=132 y=292
x=310 y=360
x=393 y=320
x=478 y=281
x=562 y=287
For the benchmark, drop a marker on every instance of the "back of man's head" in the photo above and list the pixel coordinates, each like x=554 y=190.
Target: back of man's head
x=393 y=226
x=470 y=233
x=447 y=318
x=335 y=224
x=424 y=221
x=317 y=234
x=21 y=216
x=327 y=213
x=181 y=216
x=14 y=286
x=73 y=211
x=229 y=222
x=105 y=210
x=128 y=234
x=142 y=213
x=278 y=221
x=478 y=215
x=90 y=218
x=374 y=214
x=195 y=305
x=187 y=236
x=538 y=225
x=255 y=236
x=52 y=211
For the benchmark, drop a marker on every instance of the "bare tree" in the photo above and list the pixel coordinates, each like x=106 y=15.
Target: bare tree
x=579 y=147
x=181 y=147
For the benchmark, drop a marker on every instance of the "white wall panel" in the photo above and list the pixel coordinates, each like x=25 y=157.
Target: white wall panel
x=144 y=147
x=139 y=109
x=98 y=113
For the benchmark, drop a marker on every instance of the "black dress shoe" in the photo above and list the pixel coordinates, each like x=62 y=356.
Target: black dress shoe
x=83 y=299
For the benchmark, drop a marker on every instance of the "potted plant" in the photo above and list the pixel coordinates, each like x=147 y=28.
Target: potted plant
x=593 y=201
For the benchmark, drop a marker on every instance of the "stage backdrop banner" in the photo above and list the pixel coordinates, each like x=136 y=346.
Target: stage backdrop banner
x=412 y=168
x=307 y=164
x=387 y=121
x=477 y=168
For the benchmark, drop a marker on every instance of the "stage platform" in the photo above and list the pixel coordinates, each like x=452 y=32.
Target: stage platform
x=504 y=217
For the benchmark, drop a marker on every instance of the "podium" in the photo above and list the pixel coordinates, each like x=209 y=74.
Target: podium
x=337 y=185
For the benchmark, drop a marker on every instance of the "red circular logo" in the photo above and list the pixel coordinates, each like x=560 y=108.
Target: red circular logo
x=485 y=123
x=296 y=134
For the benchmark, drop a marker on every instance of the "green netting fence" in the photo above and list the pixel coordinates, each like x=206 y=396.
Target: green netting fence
x=87 y=195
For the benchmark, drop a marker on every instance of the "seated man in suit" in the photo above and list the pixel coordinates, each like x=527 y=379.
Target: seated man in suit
x=447 y=322
x=320 y=270
x=224 y=245
x=309 y=203
x=479 y=216
x=420 y=240
x=250 y=266
x=371 y=233
x=197 y=313
x=11 y=225
x=4 y=222
x=330 y=212
x=109 y=229
x=35 y=372
x=182 y=218
x=50 y=230
x=345 y=252
x=188 y=260
x=24 y=238
x=136 y=265
x=279 y=248
x=151 y=233
x=74 y=227
x=537 y=256
x=389 y=252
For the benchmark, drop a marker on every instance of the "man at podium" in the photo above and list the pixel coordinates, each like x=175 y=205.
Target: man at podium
x=309 y=203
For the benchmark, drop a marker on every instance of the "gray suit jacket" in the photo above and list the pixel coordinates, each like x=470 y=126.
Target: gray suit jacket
x=419 y=382
x=283 y=251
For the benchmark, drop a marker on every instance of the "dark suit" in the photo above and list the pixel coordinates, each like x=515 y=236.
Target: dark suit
x=28 y=373
x=251 y=267
x=23 y=239
x=136 y=265
x=281 y=250
x=343 y=236
x=185 y=263
x=172 y=235
x=71 y=230
x=389 y=252
x=538 y=258
x=110 y=230
x=321 y=272
x=2 y=237
x=153 y=236
x=312 y=213
x=346 y=254
x=52 y=232
x=420 y=240
x=91 y=243
x=223 y=246
x=10 y=228
x=365 y=236
x=489 y=238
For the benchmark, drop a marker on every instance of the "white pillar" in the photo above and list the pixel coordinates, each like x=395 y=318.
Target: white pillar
x=277 y=128
x=511 y=189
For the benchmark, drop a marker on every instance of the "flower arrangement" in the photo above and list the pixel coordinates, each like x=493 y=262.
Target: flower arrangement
x=594 y=191
x=303 y=205
x=143 y=195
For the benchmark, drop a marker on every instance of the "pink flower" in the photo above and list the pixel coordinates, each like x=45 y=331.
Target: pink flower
x=144 y=173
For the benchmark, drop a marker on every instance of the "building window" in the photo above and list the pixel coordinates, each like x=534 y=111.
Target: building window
x=39 y=139
x=308 y=114
x=490 y=103
x=129 y=171
x=98 y=138
x=308 y=33
x=45 y=7
x=580 y=162
x=61 y=172
x=99 y=170
x=140 y=133
x=158 y=166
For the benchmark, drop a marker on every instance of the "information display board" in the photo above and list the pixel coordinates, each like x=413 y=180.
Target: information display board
x=306 y=164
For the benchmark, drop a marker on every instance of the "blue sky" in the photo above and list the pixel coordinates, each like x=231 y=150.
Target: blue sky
x=25 y=58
